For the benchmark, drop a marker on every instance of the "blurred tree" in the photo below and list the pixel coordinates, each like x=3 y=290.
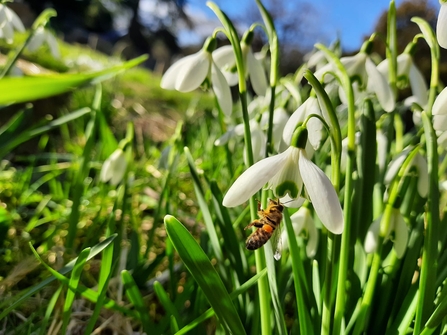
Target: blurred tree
x=78 y=18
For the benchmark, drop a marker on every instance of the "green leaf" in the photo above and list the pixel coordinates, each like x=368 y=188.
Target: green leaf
x=22 y=89
x=200 y=267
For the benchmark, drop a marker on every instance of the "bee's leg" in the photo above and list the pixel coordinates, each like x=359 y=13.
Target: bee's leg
x=255 y=223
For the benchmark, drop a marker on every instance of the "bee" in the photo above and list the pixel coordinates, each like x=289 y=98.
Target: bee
x=269 y=222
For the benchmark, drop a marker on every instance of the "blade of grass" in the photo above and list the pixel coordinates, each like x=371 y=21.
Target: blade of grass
x=233 y=295
x=134 y=295
x=198 y=264
x=49 y=311
x=74 y=282
x=166 y=302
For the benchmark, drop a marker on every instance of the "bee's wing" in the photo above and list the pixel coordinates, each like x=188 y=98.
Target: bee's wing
x=277 y=242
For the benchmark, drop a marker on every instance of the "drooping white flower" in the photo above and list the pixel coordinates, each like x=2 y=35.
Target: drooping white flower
x=291 y=173
x=314 y=126
x=258 y=139
x=419 y=162
x=441 y=25
x=43 y=36
x=9 y=21
x=439 y=111
x=407 y=72
x=226 y=61
x=190 y=72
x=114 y=167
x=361 y=68
x=397 y=225
x=304 y=224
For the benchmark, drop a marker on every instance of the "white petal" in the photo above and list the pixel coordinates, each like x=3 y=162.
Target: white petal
x=355 y=66
x=225 y=60
x=404 y=62
x=372 y=236
x=224 y=56
x=418 y=85
x=400 y=234
x=253 y=179
x=52 y=44
x=118 y=168
x=440 y=105
x=36 y=40
x=379 y=84
x=382 y=152
x=310 y=106
x=394 y=166
x=106 y=171
x=15 y=21
x=280 y=118
x=221 y=90
x=440 y=122
x=288 y=179
x=313 y=237
x=8 y=33
x=256 y=71
x=383 y=67
x=192 y=75
x=322 y=194
x=297 y=117
x=225 y=137
x=287 y=201
x=423 y=180
x=441 y=26
x=170 y=77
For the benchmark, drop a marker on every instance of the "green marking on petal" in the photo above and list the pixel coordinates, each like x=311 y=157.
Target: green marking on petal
x=287 y=186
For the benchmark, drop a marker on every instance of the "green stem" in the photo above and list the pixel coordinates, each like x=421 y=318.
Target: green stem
x=429 y=266
x=398 y=189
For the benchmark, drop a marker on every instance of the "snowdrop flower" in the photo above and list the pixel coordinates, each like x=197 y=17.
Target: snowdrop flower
x=314 y=126
x=41 y=36
x=9 y=21
x=439 y=111
x=225 y=60
x=291 y=173
x=407 y=72
x=258 y=139
x=419 y=162
x=303 y=222
x=441 y=26
x=190 y=72
x=114 y=167
x=361 y=68
x=397 y=225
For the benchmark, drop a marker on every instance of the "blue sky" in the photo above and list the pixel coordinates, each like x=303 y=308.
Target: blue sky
x=349 y=19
